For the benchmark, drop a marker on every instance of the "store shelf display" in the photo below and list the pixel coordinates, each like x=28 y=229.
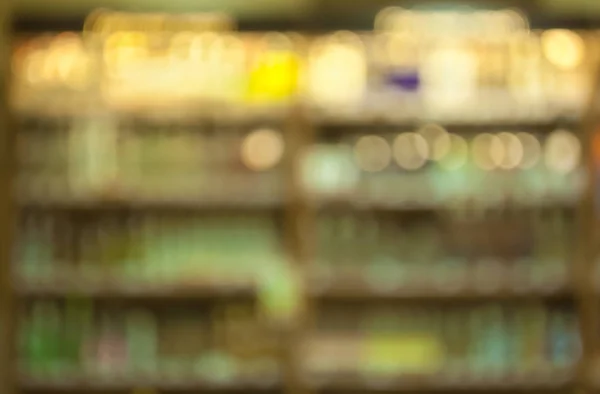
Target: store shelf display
x=435 y=349
x=76 y=344
x=213 y=210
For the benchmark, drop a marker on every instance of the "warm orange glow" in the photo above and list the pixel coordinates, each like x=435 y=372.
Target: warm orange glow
x=262 y=149
x=565 y=49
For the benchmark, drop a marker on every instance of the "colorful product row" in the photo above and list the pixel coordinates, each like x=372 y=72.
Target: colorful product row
x=489 y=340
x=151 y=248
x=74 y=338
x=339 y=69
x=431 y=166
x=97 y=157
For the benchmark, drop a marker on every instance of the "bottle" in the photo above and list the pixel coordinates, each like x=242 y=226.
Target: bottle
x=564 y=348
x=77 y=323
x=45 y=342
x=496 y=342
x=111 y=347
x=35 y=255
x=533 y=345
x=142 y=341
x=398 y=57
x=457 y=334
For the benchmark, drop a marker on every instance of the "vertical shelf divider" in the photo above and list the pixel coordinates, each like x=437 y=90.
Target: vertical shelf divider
x=298 y=226
x=584 y=276
x=8 y=340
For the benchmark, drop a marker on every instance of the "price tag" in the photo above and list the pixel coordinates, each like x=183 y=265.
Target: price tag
x=420 y=353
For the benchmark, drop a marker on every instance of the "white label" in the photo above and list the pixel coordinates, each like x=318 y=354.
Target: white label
x=93 y=149
x=449 y=77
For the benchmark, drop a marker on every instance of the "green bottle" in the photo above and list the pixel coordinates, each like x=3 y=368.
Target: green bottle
x=77 y=322
x=44 y=339
x=142 y=341
x=36 y=254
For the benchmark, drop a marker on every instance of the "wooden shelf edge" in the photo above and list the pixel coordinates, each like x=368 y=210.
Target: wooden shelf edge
x=137 y=291
x=443 y=382
x=153 y=382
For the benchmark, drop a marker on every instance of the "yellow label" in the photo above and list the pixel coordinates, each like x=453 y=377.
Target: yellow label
x=414 y=353
x=274 y=77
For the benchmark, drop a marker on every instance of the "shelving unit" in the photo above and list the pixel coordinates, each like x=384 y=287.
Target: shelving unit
x=276 y=326
x=333 y=290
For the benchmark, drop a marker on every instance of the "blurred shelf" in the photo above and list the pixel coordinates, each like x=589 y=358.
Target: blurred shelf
x=77 y=105
x=512 y=382
x=448 y=292
x=325 y=15
x=234 y=200
x=131 y=290
x=341 y=124
x=394 y=108
x=238 y=199
x=38 y=105
x=147 y=381
x=356 y=202
x=276 y=199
